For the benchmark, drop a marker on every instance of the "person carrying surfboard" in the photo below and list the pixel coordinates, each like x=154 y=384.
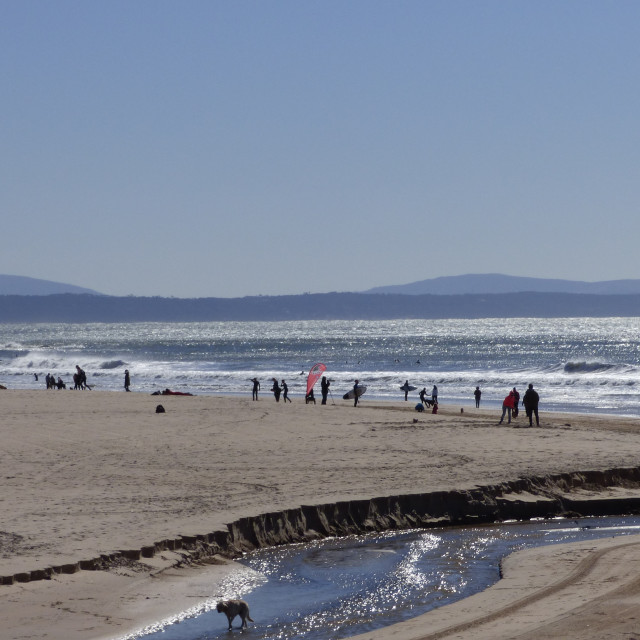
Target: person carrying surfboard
x=355 y=394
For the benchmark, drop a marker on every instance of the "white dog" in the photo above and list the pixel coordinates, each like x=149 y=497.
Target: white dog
x=233 y=608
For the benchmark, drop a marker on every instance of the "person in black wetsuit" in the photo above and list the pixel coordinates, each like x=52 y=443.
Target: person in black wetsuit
x=285 y=392
x=324 y=388
x=530 y=402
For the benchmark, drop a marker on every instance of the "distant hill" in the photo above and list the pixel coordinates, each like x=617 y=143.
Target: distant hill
x=499 y=283
x=23 y=286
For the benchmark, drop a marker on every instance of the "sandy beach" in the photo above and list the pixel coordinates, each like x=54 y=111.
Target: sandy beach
x=87 y=474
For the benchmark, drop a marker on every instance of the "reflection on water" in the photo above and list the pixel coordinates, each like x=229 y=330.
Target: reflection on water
x=339 y=587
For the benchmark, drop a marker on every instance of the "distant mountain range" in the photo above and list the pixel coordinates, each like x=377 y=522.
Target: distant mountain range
x=444 y=286
x=499 y=283
x=23 y=286
x=480 y=296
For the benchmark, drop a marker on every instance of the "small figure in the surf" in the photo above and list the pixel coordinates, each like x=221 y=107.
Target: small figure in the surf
x=36 y=376
x=256 y=388
x=324 y=389
x=276 y=389
x=285 y=392
x=60 y=383
x=127 y=380
x=477 y=394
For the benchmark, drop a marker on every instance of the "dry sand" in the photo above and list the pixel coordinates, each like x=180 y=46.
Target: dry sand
x=89 y=473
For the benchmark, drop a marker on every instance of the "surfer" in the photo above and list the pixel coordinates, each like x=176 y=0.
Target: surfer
x=324 y=388
x=405 y=386
x=127 y=380
x=477 y=394
x=256 y=388
x=355 y=393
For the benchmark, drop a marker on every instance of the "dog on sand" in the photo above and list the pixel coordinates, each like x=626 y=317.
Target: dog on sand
x=233 y=608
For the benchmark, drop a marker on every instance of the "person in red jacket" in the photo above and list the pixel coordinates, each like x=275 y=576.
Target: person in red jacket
x=507 y=407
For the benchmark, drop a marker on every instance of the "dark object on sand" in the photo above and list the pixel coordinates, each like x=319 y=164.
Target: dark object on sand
x=160 y=409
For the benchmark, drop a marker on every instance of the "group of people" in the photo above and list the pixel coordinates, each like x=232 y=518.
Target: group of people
x=52 y=383
x=530 y=402
x=282 y=389
x=79 y=380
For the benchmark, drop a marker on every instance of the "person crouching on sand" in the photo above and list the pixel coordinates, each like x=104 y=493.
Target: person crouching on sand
x=507 y=407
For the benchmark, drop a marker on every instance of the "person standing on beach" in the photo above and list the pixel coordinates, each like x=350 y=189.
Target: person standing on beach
x=405 y=386
x=276 y=390
x=256 y=388
x=477 y=394
x=516 y=402
x=324 y=388
x=285 y=392
x=530 y=402
x=355 y=394
x=434 y=394
x=127 y=380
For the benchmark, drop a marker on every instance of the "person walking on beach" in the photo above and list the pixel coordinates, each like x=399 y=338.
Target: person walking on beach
x=516 y=402
x=434 y=394
x=127 y=380
x=324 y=388
x=276 y=390
x=530 y=402
x=256 y=388
x=355 y=393
x=507 y=407
x=285 y=392
x=477 y=394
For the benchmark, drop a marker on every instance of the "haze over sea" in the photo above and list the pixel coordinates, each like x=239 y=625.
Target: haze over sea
x=576 y=364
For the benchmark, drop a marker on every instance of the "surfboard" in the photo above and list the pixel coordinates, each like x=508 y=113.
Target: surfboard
x=404 y=387
x=349 y=395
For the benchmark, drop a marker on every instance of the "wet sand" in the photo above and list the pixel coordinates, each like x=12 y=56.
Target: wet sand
x=91 y=473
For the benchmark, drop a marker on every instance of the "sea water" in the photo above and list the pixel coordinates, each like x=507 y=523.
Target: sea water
x=575 y=364
x=336 y=588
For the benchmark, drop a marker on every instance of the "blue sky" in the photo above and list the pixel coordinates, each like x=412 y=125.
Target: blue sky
x=220 y=148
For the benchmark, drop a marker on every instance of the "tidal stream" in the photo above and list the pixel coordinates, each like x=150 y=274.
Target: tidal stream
x=338 y=587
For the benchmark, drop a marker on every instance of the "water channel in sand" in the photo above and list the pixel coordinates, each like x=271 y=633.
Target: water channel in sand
x=338 y=587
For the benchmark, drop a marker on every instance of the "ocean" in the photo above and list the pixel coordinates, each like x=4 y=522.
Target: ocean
x=576 y=364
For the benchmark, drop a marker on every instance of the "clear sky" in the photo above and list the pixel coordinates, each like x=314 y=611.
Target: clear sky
x=229 y=148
